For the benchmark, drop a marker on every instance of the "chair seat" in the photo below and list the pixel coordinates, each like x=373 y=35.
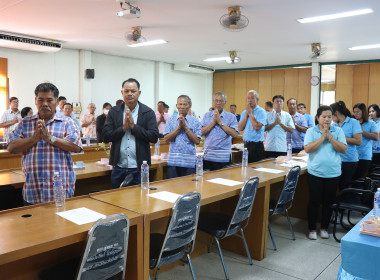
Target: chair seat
x=352 y=206
x=272 y=205
x=216 y=224
x=156 y=241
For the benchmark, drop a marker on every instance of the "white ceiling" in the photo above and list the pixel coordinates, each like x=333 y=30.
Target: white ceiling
x=273 y=36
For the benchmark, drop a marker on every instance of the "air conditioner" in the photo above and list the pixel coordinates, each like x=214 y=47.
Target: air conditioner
x=194 y=68
x=29 y=43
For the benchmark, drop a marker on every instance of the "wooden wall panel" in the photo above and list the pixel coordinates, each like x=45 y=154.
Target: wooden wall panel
x=344 y=84
x=291 y=84
x=240 y=91
x=252 y=80
x=304 y=88
x=265 y=86
x=229 y=86
x=218 y=84
x=374 y=84
x=360 y=84
x=278 y=82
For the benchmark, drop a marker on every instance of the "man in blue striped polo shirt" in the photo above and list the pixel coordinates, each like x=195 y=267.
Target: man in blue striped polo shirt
x=182 y=131
x=252 y=121
x=218 y=127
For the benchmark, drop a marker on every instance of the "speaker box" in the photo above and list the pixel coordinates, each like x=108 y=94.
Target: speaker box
x=90 y=73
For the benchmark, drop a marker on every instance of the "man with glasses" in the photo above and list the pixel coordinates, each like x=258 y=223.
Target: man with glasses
x=218 y=128
x=67 y=110
x=252 y=121
x=10 y=118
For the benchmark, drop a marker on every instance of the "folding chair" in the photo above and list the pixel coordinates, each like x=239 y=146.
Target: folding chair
x=221 y=226
x=105 y=254
x=179 y=239
x=285 y=200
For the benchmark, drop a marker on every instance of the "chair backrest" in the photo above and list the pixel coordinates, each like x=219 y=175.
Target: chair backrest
x=183 y=224
x=244 y=206
x=106 y=250
x=286 y=197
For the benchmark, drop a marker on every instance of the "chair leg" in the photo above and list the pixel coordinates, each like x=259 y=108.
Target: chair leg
x=156 y=273
x=348 y=218
x=246 y=246
x=191 y=267
x=222 y=259
x=290 y=224
x=271 y=237
x=336 y=211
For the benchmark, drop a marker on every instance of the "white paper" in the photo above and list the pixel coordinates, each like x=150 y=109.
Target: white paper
x=269 y=170
x=166 y=196
x=225 y=182
x=294 y=163
x=304 y=158
x=81 y=216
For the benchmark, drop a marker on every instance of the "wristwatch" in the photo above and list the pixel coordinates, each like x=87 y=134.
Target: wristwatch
x=52 y=139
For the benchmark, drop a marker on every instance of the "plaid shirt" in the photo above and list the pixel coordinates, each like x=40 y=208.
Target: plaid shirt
x=8 y=117
x=41 y=161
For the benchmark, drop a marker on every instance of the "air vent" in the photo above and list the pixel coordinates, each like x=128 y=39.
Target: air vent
x=25 y=42
x=194 y=68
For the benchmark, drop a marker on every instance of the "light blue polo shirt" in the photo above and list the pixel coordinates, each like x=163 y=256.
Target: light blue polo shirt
x=376 y=144
x=250 y=133
x=276 y=137
x=128 y=143
x=350 y=127
x=365 y=149
x=325 y=162
x=309 y=119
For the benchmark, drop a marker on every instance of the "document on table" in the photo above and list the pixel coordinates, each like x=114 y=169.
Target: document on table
x=304 y=158
x=166 y=196
x=81 y=216
x=294 y=163
x=269 y=170
x=225 y=182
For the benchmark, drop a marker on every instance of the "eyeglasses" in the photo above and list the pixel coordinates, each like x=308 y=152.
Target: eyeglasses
x=218 y=100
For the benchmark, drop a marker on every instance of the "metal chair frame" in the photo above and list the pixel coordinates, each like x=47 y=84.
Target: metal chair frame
x=289 y=201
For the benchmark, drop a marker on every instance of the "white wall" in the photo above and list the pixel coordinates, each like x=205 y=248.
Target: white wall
x=65 y=69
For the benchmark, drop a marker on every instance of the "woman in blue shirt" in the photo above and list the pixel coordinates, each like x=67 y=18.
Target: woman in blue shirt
x=370 y=132
x=374 y=114
x=323 y=143
x=353 y=132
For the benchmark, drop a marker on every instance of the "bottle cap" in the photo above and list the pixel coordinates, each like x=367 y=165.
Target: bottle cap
x=144 y=162
x=56 y=173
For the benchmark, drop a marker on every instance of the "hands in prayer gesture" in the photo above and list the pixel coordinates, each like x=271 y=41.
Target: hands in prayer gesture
x=128 y=121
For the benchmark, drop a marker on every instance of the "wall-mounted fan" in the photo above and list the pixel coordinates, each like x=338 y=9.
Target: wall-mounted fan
x=134 y=37
x=234 y=20
x=234 y=59
x=317 y=50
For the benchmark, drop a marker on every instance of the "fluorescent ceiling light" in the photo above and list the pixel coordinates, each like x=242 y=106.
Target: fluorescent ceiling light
x=335 y=16
x=217 y=59
x=328 y=68
x=302 y=67
x=364 y=47
x=148 y=43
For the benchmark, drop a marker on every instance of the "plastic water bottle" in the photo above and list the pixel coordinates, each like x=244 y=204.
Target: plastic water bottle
x=244 y=162
x=199 y=166
x=289 y=153
x=144 y=175
x=157 y=148
x=59 y=192
x=376 y=204
x=88 y=140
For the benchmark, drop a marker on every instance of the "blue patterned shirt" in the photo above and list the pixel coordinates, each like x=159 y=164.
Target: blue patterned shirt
x=350 y=127
x=182 y=149
x=43 y=159
x=250 y=133
x=217 y=142
x=276 y=137
x=128 y=143
x=296 y=138
x=309 y=120
x=365 y=149
x=376 y=144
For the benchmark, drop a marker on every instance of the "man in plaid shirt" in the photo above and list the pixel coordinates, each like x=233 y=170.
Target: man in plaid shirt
x=46 y=141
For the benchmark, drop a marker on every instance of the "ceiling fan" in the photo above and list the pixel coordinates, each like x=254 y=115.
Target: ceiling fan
x=234 y=20
x=233 y=59
x=317 y=50
x=134 y=37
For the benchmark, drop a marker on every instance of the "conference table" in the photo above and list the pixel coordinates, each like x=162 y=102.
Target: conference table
x=217 y=197
x=360 y=255
x=35 y=237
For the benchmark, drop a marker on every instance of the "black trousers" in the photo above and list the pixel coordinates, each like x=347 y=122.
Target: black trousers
x=376 y=158
x=270 y=154
x=361 y=170
x=321 y=191
x=211 y=165
x=255 y=151
x=176 y=171
x=348 y=172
